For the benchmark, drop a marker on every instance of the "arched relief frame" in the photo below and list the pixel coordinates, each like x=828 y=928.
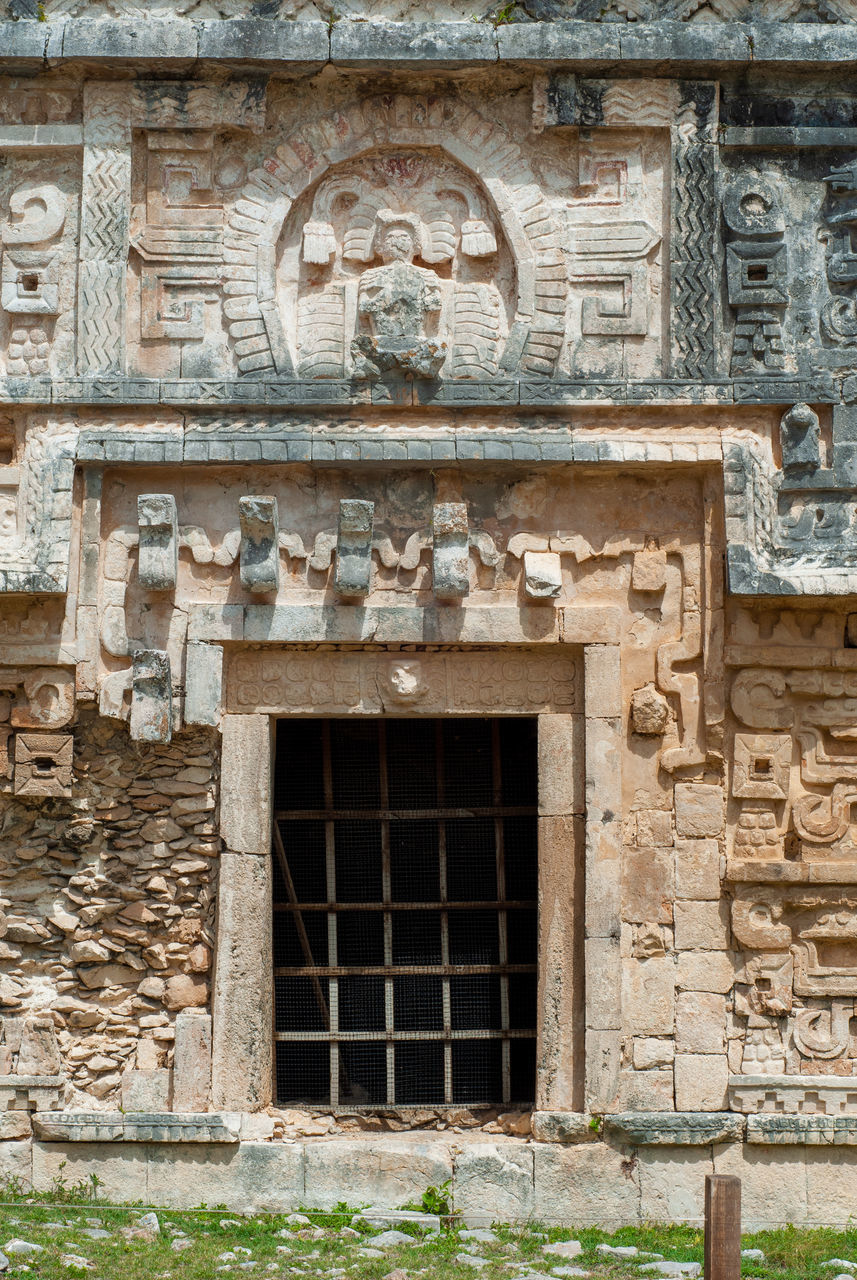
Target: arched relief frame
x=483 y=147
x=580 y=816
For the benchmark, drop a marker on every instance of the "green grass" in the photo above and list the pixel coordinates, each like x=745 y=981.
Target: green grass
x=791 y=1253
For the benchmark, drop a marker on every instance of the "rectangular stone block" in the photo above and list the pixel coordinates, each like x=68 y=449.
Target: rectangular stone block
x=773 y=1183
x=561 y=771
x=648 y=995
x=146 y=1090
x=698 y=809
x=245 y=820
x=203 y=683
x=701 y=926
x=697 y=870
x=121 y=1167
x=647 y=885
x=700 y=1022
x=705 y=971
x=603 y=984
x=602 y=680
x=493 y=1182
x=192 y=1062
x=384 y=1172
x=577 y=1183
x=701 y=1081
x=250 y=1177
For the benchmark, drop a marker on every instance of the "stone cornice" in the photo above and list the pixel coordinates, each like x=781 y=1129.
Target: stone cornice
x=699 y=48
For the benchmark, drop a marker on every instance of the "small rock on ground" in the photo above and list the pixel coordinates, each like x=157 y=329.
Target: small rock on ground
x=21 y=1248
x=753 y=1255
x=564 y=1248
x=842 y=1263
x=75 y=1262
x=618 y=1250
x=149 y=1222
x=390 y=1239
x=691 y=1269
x=471 y=1260
x=95 y=1233
x=480 y=1234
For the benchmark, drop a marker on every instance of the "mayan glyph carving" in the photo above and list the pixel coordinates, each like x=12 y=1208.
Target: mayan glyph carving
x=839 y=312
x=179 y=240
x=36 y=510
x=756 y=273
x=472 y=683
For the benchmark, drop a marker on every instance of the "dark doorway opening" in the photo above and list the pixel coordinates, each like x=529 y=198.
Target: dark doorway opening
x=405 y=923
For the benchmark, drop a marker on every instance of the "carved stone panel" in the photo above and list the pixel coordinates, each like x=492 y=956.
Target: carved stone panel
x=43 y=764
x=474 y=683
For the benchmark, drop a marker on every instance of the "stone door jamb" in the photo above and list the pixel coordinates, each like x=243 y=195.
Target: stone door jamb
x=579 y=1041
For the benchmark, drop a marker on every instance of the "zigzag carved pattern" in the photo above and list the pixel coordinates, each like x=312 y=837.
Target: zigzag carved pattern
x=694 y=217
x=103 y=227
x=101 y=318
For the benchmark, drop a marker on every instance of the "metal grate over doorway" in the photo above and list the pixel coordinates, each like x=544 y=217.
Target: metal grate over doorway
x=405 y=930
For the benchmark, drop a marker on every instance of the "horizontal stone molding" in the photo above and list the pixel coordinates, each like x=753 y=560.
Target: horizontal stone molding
x=811 y=1131
x=453 y=392
x=270 y=42
x=674 y=1128
x=119 y=1126
x=791 y=1096
x=400 y=624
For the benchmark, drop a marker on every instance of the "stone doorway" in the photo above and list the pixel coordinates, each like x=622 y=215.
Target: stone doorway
x=573 y=693
x=405 y=933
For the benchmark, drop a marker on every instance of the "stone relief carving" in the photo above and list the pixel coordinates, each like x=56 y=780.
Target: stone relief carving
x=339 y=683
x=179 y=239
x=789 y=530
x=399 y=316
x=416 y=201
x=756 y=274
x=36 y=511
x=839 y=312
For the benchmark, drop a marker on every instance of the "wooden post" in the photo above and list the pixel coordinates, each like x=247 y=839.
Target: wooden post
x=722 y=1227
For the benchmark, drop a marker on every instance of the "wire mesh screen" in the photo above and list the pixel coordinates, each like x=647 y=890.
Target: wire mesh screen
x=405 y=932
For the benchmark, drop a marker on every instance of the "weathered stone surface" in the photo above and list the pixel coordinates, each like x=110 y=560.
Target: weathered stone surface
x=685 y=1128
x=481 y=418
x=192 y=1062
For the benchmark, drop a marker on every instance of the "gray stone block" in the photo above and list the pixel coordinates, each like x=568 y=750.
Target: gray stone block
x=158 y=38
x=415 y=44
x=203 y=683
x=674 y=1128
x=264 y=40
x=260 y=551
x=151 y=697
x=157 y=564
x=563 y=42
x=353 y=571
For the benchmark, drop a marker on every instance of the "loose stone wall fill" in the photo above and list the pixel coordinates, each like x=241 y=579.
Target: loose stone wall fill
x=108 y=914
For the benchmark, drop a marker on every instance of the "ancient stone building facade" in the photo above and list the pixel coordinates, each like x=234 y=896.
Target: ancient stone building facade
x=428 y=603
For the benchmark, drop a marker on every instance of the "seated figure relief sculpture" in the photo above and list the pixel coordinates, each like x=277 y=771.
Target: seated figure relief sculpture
x=395 y=304
x=401 y=272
